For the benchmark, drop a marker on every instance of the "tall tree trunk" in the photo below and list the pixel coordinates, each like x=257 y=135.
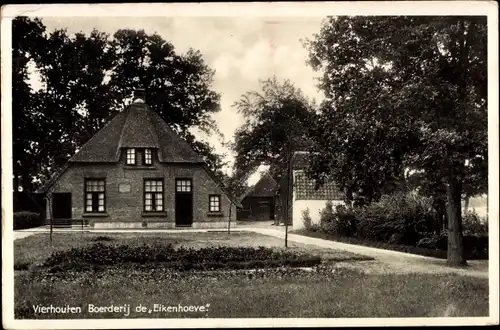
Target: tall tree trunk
x=466 y=206
x=456 y=255
x=16 y=182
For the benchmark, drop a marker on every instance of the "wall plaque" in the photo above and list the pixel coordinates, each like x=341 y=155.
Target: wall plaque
x=124 y=187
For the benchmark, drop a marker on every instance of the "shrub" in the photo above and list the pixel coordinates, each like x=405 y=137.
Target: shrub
x=339 y=222
x=475 y=247
x=433 y=240
x=306 y=219
x=346 y=220
x=396 y=219
x=473 y=224
x=102 y=239
x=327 y=219
x=26 y=219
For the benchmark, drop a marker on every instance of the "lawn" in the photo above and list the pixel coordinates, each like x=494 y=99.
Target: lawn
x=321 y=292
x=35 y=249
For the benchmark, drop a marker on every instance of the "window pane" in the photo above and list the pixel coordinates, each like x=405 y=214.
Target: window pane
x=101 y=208
x=149 y=208
x=147 y=156
x=94 y=185
x=214 y=203
x=159 y=199
x=183 y=185
x=88 y=208
x=131 y=156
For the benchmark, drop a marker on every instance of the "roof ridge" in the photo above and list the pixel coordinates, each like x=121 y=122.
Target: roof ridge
x=151 y=112
x=122 y=130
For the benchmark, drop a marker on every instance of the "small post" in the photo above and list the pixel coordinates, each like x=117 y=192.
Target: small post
x=229 y=220
x=287 y=197
x=50 y=230
x=49 y=197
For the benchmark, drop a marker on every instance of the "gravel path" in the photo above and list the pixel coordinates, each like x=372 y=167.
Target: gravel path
x=23 y=234
x=386 y=261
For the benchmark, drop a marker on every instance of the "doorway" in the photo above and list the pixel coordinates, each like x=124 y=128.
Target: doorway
x=61 y=209
x=183 y=202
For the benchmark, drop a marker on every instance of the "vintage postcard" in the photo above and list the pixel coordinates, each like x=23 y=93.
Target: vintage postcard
x=213 y=165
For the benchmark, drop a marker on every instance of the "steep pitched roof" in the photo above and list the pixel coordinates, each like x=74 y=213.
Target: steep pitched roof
x=265 y=187
x=137 y=126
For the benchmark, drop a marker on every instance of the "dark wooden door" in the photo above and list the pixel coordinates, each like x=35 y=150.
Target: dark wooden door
x=183 y=203
x=61 y=210
x=61 y=206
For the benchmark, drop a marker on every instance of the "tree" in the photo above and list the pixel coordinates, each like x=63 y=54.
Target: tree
x=178 y=86
x=27 y=41
x=87 y=78
x=402 y=92
x=235 y=188
x=278 y=116
x=74 y=102
x=277 y=123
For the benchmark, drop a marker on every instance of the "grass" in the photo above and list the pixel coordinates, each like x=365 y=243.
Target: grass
x=35 y=249
x=266 y=293
x=345 y=295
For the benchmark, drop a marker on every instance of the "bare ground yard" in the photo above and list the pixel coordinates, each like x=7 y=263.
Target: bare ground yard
x=335 y=290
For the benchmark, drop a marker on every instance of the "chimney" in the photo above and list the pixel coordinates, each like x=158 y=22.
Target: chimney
x=140 y=95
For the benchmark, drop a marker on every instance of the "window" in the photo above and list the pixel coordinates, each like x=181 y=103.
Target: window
x=214 y=203
x=153 y=195
x=148 y=159
x=131 y=156
x=95 y=190
x=183 y=185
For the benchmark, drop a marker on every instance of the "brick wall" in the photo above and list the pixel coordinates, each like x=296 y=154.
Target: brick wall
x=127 y=207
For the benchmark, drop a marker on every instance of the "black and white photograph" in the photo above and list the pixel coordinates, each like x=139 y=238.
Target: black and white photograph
x=249 y=164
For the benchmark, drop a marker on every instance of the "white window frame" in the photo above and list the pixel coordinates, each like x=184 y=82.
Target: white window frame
x=131 y=156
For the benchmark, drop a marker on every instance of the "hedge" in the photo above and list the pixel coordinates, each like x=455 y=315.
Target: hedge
x=26 y=219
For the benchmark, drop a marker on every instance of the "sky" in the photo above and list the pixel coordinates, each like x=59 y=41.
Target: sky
x=241 y=50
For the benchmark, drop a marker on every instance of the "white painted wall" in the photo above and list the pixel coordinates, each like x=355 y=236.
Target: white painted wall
x=315 y=206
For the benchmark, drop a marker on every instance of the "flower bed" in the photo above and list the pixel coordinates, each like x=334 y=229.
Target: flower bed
x=99 y=256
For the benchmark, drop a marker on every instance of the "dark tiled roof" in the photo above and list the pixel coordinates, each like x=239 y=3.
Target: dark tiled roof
x=305 y=189
x=135 y=127
x=265 y=187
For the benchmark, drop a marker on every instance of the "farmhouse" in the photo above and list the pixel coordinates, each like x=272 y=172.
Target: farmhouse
x=303 y=195
x=258 y=201
x=137 y=172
